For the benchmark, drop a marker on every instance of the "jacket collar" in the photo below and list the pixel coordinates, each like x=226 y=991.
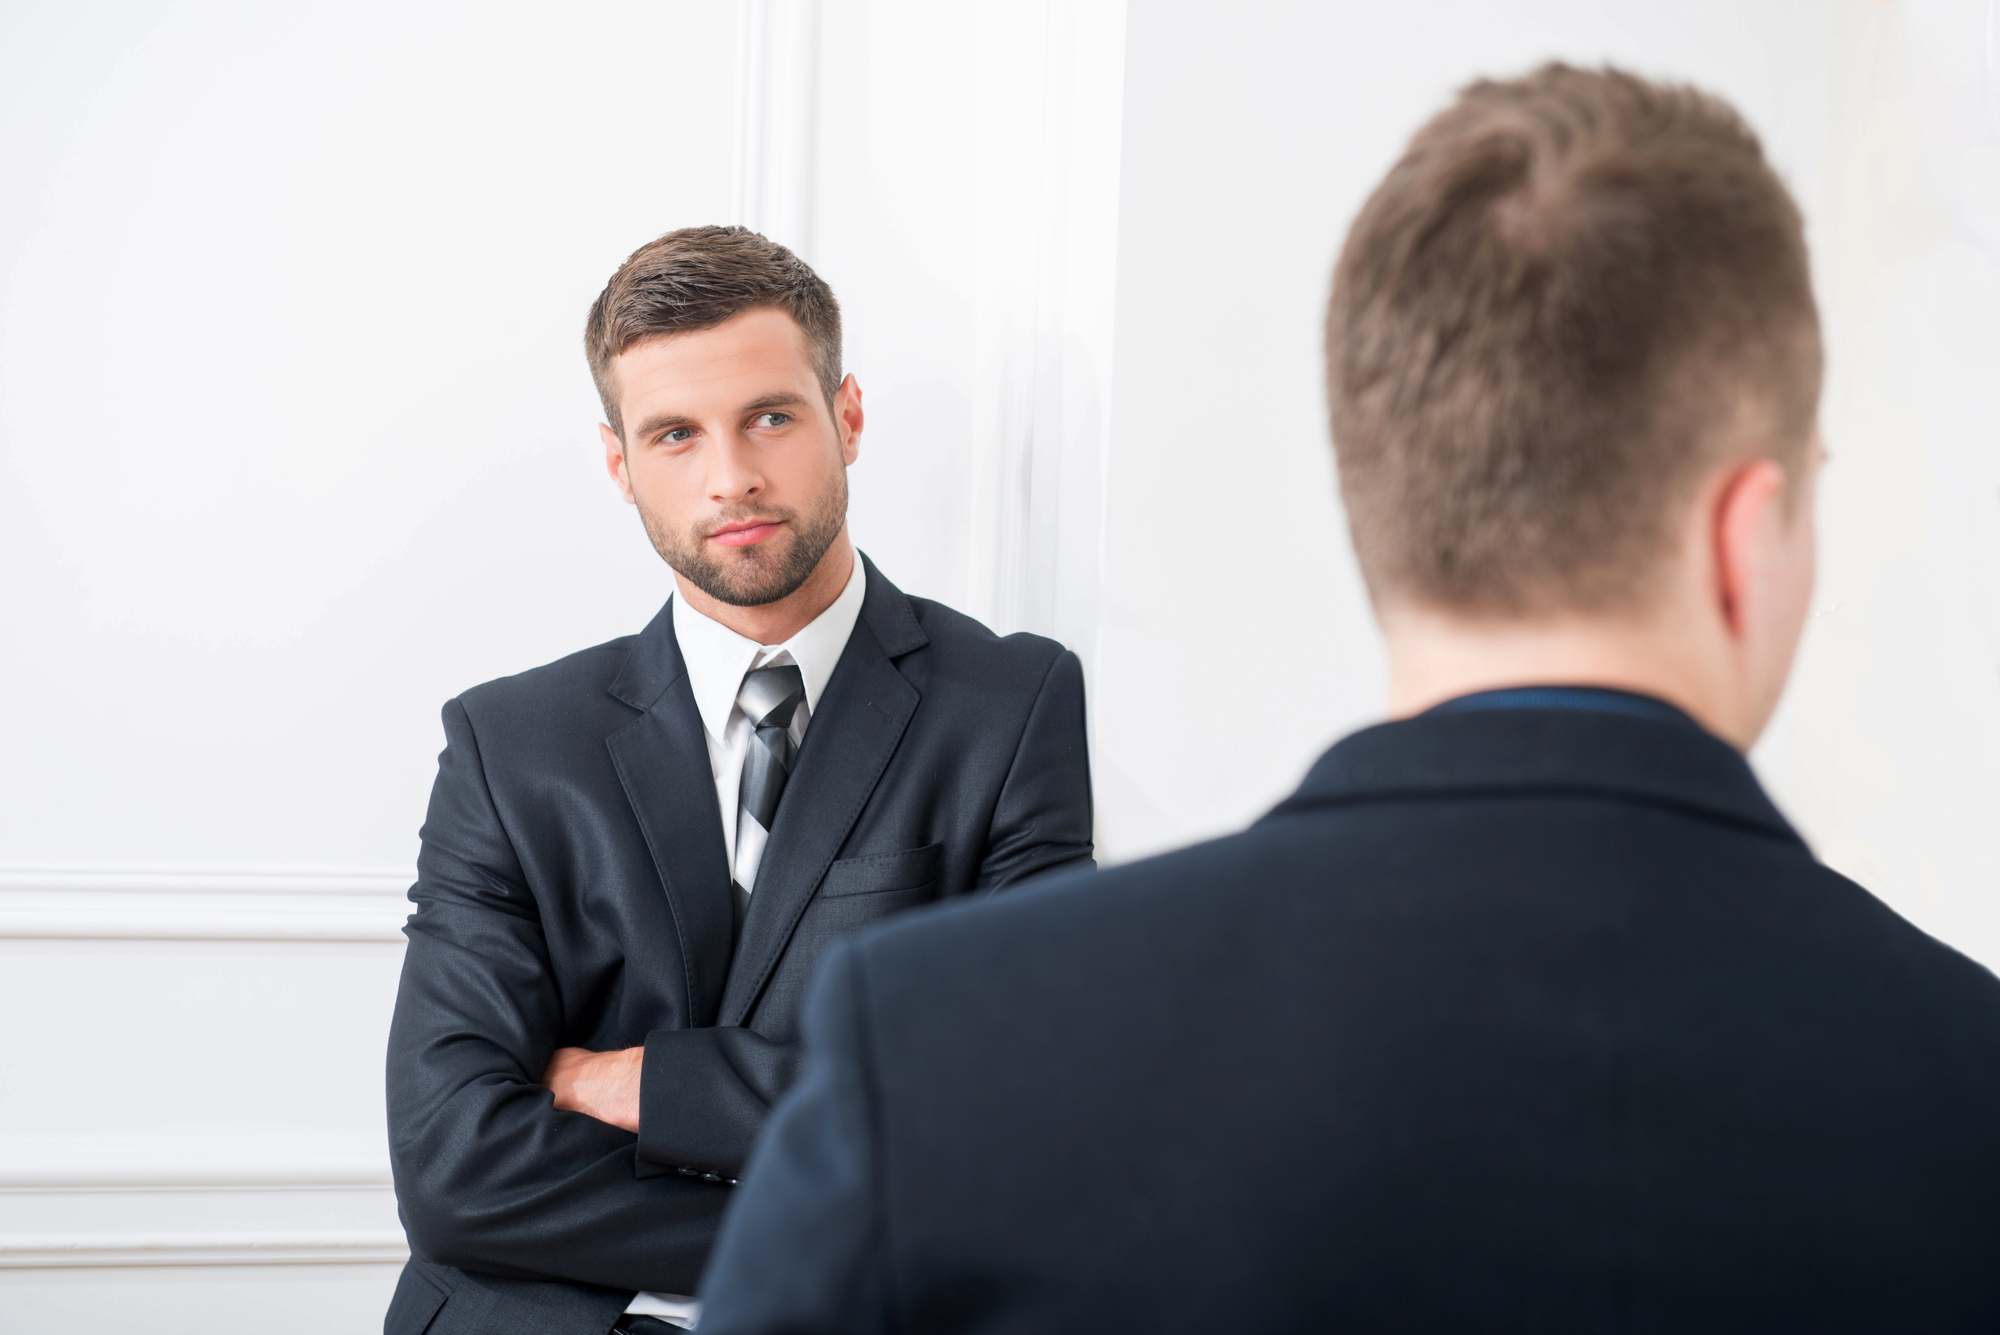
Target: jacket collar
x=1496 y=752
x=888 y=613
x=653 y=665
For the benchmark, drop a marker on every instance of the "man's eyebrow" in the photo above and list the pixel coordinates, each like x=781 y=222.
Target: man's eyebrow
x=659 y=422
x=770 y=401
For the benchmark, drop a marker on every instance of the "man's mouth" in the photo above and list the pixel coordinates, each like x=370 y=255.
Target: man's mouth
x=744 y=534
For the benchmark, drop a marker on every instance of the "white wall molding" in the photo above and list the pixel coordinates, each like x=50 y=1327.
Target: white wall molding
x=203 y=904
x=128 y=1163
x=359 y=1246
x=70 y=1201
x=1050 y=81
x=777 y=119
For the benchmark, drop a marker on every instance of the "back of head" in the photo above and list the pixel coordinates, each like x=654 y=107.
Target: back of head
x=1562 y=307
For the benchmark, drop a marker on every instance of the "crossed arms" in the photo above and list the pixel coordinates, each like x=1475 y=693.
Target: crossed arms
x=517 y=1154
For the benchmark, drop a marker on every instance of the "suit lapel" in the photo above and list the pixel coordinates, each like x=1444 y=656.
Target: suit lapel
x=662 y=761
x=859 y=722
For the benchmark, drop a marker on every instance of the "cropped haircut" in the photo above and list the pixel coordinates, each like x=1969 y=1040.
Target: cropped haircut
x=697 y=278
x=1573 y=296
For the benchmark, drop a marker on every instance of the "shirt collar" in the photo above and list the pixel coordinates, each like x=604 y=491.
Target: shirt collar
x=1592 y=699
x=717 y=657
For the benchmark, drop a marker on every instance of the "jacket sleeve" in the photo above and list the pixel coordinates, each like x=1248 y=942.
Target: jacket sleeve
x=1043 y=819
x=704 y=1094
x=489 y=1175
x=800 y=1252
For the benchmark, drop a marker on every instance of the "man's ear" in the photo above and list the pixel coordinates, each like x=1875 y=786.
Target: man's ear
x=614 y=461
x=1747 y=527
x=849 y=417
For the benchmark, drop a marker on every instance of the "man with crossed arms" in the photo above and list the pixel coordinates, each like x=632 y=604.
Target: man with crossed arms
x=635 y=856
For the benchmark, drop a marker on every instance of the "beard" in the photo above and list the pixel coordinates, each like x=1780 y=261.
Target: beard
x=767 y=572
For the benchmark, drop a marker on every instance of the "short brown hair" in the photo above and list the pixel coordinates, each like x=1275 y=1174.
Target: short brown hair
x=696 y=278
x=1544 y=324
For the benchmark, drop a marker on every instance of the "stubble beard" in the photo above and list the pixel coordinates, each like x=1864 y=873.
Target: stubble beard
x=767 y=572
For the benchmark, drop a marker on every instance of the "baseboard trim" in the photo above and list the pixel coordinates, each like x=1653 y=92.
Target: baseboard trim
x=203 y=904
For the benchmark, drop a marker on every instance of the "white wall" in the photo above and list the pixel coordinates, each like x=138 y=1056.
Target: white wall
x=299 y=439
x=296 y=442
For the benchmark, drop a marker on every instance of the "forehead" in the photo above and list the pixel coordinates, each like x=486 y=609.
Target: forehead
x=749 y=355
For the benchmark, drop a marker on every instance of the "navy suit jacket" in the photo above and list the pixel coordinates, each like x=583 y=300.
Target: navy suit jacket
x=1506 y=1021
x=572 y=891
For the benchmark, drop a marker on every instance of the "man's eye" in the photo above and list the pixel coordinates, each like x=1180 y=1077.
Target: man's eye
x=679 y=435
x=773 y=419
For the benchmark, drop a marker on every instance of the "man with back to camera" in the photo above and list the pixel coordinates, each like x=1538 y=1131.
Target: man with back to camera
x=1527 y=1011
x=634 y=856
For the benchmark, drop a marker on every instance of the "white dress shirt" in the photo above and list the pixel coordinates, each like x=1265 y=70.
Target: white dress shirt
x=717 y=659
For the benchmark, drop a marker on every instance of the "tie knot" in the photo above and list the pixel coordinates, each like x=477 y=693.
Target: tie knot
x=771 y=695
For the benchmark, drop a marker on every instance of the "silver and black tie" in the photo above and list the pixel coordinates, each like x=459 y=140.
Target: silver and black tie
x=773 y=698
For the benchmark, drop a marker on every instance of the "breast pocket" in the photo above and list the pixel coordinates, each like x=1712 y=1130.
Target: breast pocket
x=909 y=870
x=855 y=894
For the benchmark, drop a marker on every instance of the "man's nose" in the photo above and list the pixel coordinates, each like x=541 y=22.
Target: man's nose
x=733 y=474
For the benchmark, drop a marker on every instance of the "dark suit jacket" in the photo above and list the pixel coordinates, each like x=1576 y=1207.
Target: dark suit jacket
x=572 y=891
x=1519 y=1020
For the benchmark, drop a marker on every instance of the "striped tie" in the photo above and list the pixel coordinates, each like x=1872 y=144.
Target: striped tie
x=774 y=699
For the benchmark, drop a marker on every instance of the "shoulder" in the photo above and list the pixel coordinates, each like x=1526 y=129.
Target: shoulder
x=1338 y=877
x=570 y=690
x=928 y=640
x=1868 y=938
x=960 y=644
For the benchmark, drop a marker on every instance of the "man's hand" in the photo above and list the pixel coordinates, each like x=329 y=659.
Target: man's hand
x=604 y=1085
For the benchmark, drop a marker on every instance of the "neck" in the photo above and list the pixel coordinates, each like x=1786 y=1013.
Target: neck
x=774 y=623
x=1435 y=657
